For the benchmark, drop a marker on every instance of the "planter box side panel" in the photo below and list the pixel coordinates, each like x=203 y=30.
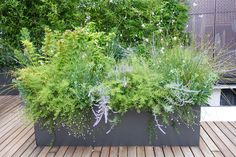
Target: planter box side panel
x=131 y=131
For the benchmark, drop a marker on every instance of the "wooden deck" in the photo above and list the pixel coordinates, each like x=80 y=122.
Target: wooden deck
x=17 y=139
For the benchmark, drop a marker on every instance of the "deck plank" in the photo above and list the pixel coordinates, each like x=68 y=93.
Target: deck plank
x=7 y=109
x=9 y=116
x=177 y=151
x=168 y=152
x=205 y=149
x=105 y=152
x=233 y=124
x=217 y=140
x=8 y=100
x=226 y=132
x=70 y=151
x=149 y=151
x=230 y=127
x=187 y=152
x=29 y=150
x=12 y=137
x=36 y=152
x=218 y=154
x=44 y=152
x=140 y=151
x=15 y=144
x=87 y=152
x=8 y=106
x=224 y=138
x=96 y=152
x=62 y=150
x=114 y=152
x=21 y=146
x=196 y=151
x=52 y=152
x=123 y=152
x=78 y=152
x=132 y=151
x=10 y=124
x=212 y=146
x=159 y=151
x=10 y=130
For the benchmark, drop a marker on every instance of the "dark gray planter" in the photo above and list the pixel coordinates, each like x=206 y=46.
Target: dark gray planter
x=5 y=84
x=131 y=131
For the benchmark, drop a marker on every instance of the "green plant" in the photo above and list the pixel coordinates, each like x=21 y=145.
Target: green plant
x=168 y=83
x=34 y=15
x=55 y=85
x=75 y=74
x=135 y=21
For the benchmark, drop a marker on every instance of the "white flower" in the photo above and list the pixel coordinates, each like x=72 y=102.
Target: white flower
x=87 y=18
x=201 y=16
x=162 y=50
x=146 y=39
x=143 y=25
x=175 y=38
x=195 y=4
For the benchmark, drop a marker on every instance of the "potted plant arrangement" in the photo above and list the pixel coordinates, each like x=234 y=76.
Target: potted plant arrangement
x=83 y=87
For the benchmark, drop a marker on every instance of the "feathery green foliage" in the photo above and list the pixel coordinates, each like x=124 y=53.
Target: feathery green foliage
x=57 y=89
x=167 y=83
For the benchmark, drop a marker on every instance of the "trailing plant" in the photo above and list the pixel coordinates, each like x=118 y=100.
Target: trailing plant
x=168 y=85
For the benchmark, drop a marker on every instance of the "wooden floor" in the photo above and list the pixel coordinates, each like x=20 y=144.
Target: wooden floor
x=17 y=139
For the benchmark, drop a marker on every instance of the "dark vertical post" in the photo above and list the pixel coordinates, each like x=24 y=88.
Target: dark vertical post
x=214 y=29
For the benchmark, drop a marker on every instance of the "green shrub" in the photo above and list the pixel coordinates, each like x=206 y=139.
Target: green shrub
x=134 y=21
x=76 y=73
x=65 y=77
x=55 y=89
x=167 y=83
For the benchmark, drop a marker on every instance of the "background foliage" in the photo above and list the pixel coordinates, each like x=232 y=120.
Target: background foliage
x=34 y=15
x=134 y=21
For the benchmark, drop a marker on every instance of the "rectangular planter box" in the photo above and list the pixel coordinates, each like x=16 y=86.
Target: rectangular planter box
x=131 y=131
